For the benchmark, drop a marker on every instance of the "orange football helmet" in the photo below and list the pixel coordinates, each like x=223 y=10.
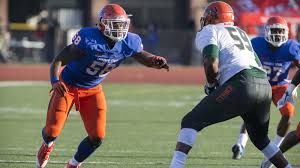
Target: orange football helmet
x=113 y=22
x=276 y=31
x=217 y=12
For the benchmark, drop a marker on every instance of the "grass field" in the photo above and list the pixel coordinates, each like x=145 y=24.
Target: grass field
x=142 y=127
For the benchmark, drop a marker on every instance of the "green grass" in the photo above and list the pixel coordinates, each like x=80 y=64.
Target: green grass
x=143 y=122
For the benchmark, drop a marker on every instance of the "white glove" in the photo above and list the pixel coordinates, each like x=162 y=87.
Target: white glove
x=288 y=96
x=294 y=93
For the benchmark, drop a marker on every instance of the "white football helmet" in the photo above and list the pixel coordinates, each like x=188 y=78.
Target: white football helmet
x=276 y=31
x=113 y=22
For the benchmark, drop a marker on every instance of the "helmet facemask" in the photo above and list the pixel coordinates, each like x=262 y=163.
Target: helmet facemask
x=276 y=34
x=203 y=22
x=115 y=29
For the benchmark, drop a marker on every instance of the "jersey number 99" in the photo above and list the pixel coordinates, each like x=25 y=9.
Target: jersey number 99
x=240 y=37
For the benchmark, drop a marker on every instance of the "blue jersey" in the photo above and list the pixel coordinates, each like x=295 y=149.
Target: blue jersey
x=276 y=62
x=99 y=59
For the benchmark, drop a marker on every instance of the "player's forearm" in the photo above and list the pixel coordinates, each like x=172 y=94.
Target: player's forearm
x=211 y=69
x=156 y=62
x=56 y=65
x=296 y=78
x=145 y=58
x=147 y=61
x=55 y=70
x=211 y=75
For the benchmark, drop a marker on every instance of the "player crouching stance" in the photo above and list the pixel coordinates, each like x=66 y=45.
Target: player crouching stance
x=236 y=81
x=94 y=52
x=277 y=53
x=292 y=138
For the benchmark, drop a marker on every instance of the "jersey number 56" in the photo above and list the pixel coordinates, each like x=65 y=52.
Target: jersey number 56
x=99 y=68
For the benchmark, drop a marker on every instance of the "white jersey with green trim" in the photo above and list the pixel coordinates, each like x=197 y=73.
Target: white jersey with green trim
x=235 y=49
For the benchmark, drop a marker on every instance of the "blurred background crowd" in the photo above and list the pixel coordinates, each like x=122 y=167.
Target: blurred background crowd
x=34 y=31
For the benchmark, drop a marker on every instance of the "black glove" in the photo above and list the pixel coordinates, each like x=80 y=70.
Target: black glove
x=210 y=87
x=160 y=62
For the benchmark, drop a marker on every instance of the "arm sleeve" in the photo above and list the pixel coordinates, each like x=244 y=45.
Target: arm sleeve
x=295 y=50
x=211 y=50
x=79 y=40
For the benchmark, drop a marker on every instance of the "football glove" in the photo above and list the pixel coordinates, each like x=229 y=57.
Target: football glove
x=288 y=96
x=210 y=87
x=294 y=93
x=60 y=88
x=159 y=62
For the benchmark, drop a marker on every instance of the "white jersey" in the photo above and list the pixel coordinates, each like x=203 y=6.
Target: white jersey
x=236 y=52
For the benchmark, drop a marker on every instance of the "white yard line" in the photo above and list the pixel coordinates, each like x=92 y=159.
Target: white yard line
x=127 y=151
x=23 y=83
x=187 y=100
x=65 y=149
x=103 y=162
x=140 y=163
x=114 y=102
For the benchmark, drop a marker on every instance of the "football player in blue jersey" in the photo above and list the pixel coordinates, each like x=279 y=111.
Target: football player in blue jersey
x=277 y=54
x=94 y=52
x=293 y=137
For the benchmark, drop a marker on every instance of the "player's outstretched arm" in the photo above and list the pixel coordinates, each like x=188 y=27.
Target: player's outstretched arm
x=151 y=60
x=68 y=54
